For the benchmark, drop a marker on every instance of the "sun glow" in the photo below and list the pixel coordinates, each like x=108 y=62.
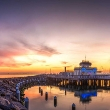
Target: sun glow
x=21 y=59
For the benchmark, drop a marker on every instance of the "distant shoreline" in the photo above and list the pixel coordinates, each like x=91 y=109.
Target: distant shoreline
x=15 y=75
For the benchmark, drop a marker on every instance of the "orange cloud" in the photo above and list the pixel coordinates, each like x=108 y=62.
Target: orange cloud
x=14 y=64
x=10 y=53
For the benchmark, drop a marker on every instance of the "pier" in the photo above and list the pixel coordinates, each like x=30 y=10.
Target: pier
x=12 y=89
x=81 y=80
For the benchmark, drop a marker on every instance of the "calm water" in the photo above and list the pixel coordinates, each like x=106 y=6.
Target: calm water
x=84 y=100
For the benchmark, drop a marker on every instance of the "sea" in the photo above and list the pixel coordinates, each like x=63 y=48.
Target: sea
x=83 y=100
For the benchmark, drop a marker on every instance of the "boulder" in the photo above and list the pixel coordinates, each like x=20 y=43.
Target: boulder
x=14 y=98
x=13 y=89
x=3 y=93
x=13 y=107
x=18 y=106
x=4 y=104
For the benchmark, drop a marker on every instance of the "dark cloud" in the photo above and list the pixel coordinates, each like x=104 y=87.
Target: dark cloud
x=47 y=51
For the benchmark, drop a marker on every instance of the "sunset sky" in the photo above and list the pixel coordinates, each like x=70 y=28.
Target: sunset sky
x=36 y=35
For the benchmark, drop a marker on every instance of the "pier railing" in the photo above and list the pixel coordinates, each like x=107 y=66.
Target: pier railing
x=76 y=77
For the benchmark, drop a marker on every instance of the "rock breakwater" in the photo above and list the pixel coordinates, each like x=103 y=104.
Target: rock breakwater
x=9 y=87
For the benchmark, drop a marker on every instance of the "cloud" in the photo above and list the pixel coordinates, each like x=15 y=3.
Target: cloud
x=13 y=63
x=9 y=52
x=13 y=47
x=64 y=62
x=35 y=60
x=39 y=48
x=46 y=51
x=21 y=46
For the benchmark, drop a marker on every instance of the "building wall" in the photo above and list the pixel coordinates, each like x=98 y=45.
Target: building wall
x=86 y=72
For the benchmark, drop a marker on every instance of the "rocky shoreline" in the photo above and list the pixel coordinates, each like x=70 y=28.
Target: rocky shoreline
x=9 y=87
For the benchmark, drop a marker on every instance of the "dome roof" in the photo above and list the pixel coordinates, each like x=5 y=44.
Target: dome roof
x=85 y=63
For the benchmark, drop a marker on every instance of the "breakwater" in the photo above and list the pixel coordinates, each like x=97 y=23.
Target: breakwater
x=12 y=91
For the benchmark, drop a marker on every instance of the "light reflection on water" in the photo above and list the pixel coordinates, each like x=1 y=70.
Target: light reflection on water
x=64 y=102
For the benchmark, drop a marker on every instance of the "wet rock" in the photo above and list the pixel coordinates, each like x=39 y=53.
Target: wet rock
x=4 y=104
x=3 y=93
x=1 y=81
x=14 y=98
x=18 y=106
x=13 y=107
x=13 y=90
x=8 y=100
x=8 y=97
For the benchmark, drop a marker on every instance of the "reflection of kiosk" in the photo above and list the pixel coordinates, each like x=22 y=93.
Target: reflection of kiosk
x=85 y=96
x=87 y=100
x=88 y=94
x=85 y=69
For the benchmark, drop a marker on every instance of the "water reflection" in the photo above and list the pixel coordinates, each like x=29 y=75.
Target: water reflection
x=85 y=96
x=55 y=101
x=83 y=99
x=46 y=96
x=65 y=91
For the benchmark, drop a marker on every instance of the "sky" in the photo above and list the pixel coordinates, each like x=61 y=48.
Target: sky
x=37 y=36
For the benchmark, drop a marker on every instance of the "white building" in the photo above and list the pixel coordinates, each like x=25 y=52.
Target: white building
x=85 y=69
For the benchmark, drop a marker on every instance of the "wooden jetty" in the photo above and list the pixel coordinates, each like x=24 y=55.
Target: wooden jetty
x=80 y=80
